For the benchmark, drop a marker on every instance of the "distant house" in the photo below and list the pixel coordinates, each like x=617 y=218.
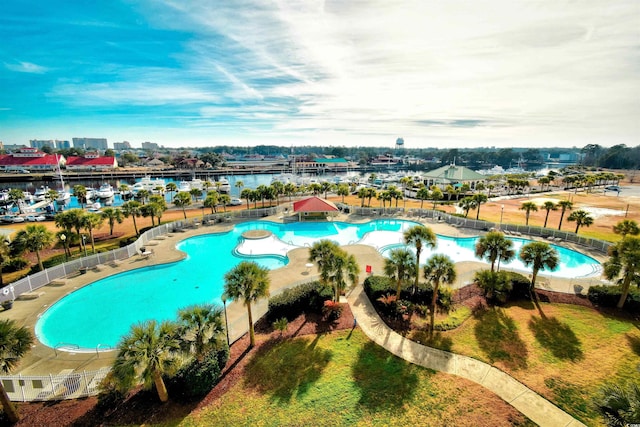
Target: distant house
x=30 y=159
x=452 y=175
x=155 y=163
x=91 y=162
x=314 y=208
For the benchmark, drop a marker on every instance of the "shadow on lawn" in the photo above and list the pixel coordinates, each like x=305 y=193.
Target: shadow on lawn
x=498 y=338
x=634 y=342
x=287 y=369
x=385 y=381
x=557 y=337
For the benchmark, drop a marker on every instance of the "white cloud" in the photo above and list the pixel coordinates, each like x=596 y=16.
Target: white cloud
x=25 y=67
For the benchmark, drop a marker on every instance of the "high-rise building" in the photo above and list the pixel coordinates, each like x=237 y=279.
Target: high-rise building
x=88 y=143
x=149 y=146
x=119 y=146
x=51 y=143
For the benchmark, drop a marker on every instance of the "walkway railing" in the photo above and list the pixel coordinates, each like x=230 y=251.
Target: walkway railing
x=65 y=385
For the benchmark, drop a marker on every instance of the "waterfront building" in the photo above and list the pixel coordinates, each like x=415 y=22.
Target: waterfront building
x=452 y=175
x=30 y=159
x=91 y=162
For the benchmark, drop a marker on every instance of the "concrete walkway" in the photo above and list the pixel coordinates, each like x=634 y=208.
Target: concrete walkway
x=531 y=404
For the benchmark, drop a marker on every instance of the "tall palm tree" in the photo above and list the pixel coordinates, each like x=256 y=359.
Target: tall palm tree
x=436 y=194
x=582 y=218
x=322 y=252
x=112 y=215
x=225 y=200
x=201 y=329
x=548 y=206
x=16 y=196
x=624 y=260
x=171 y=188
x=80 y=191
x=438 y=269
x=422 y=194
x=400 y=266
x=540 y=256
x=528 y=207
x=342 y=190
x=182 y=200
x=35 y=238
x=91 y=222
x=15 y=342
x=564 y=206
x=132 y=209
x=626 y=227
x=479 y=199
x=143 y=195
x=246 y=194
x=239 y=185
x=419 y=236
x=248 y=282
x=66 y=220
x=495 y=246
x=148 y=352
x=211 y=201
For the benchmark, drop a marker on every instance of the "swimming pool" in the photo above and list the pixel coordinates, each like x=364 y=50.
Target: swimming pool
x=111 y=305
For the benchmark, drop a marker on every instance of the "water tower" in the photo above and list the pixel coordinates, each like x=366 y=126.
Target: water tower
x=399 y=143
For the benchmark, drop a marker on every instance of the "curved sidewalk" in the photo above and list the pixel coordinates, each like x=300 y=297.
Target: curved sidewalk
x=531 y=404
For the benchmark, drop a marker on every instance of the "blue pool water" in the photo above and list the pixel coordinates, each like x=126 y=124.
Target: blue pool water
x=102 y=312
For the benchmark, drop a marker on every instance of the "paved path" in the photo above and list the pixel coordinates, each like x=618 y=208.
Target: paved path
x=531 y=404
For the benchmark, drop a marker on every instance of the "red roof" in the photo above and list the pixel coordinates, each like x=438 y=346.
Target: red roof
x=314 y=204
x=11 y=160
x=90 y=161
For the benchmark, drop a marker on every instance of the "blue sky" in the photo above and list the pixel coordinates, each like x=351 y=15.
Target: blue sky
x=305 y=72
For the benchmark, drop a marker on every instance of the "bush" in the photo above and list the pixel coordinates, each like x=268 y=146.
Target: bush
x=519 y=286
x=608 y=296
x=305 y=298
x=15 y=264
x=332 y=310
x=378 y=286
x=197 y=378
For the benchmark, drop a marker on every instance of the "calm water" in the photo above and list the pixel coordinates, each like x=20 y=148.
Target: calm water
x=111 y=305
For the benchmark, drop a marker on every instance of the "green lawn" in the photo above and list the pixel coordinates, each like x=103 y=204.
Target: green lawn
x=344 y=379
x=566 y=355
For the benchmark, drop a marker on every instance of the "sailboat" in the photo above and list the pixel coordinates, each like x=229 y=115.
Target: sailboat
x=63 y=195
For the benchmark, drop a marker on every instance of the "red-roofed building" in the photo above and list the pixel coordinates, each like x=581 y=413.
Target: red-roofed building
x=314 y=208
x=30 y=159
x=91 y=162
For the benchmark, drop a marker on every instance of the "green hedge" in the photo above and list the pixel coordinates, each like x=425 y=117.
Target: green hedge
x=196 y=379
x=608 y=296
x=305 y=298
x=14 y=264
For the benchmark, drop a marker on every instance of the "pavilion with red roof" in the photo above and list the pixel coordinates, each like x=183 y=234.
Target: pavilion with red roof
x=314 y=208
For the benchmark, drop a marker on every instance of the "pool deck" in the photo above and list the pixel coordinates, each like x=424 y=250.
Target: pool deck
x=42 y=360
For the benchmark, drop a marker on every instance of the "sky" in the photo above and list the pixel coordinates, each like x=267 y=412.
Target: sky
x=306 y=72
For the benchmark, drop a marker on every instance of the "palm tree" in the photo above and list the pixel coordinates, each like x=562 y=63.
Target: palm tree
x=564 y=205
x=239 y=185
x=16 y=196
x=548 y=206
x=467 y=203
x=182 y=200
x=417 y=236
x=436 y=194
x=540 y=256
x=15 y=342
x=479 y=199
x=148 y=352
x=143 y=195
x=582 y=218
x=248 y=282
x=5 y=255
x=620 y=405
x=438 y=269
x=80 y=191
x=494 y=246
x=66 y=221
x=626 y=227
x=246 y=194
x=132 y=209
x=422 y=194
x=112 y=215
x=321 y=253
x=528 y=207
x=335 y=265
x=624 y=259
x=201 y=329
x=211 y=201
x=362 y=194
x=342 y=190
x=171 y=188
x=400 y=266
x=90 y=222
x=76 y=217
x=35 y=238
x=224 y=201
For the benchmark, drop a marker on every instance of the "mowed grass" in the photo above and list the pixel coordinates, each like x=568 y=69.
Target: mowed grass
x=344 y=379
x=566 y=353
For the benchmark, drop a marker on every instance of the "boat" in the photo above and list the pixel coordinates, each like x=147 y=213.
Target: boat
x=105 y=191
x=63 y=195
x=41 y=194
x=184 y=186
x=149 y=184
x=223 y=186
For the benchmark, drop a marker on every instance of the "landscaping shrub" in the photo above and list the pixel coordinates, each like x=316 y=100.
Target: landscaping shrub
x=15 y=264
x=305 y=298
x=379 y=286
x=608 y=296
x=519 y=286
x=332 y=310
x=195 y=379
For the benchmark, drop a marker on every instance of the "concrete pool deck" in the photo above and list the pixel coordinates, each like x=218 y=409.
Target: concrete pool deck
x=43 y=360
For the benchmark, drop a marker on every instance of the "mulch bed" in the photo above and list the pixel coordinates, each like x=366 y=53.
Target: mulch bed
x=143 y=407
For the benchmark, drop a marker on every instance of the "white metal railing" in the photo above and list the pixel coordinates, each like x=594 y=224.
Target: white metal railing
x=65 y=385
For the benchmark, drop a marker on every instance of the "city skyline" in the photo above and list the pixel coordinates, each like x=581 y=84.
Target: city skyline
x=438 y=74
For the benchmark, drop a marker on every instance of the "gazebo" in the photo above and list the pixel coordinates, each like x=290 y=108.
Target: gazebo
x=314 y=208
